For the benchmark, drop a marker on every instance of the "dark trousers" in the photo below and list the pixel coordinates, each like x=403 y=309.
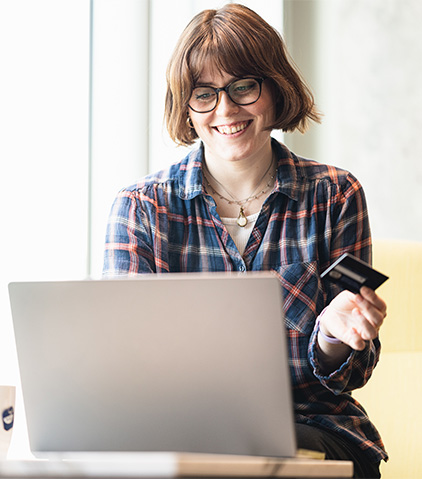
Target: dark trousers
x=335 y=447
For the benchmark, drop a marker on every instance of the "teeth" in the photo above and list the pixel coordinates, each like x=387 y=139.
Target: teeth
x=229 y=130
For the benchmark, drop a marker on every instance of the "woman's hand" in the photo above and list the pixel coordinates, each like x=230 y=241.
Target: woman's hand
x=353 y=319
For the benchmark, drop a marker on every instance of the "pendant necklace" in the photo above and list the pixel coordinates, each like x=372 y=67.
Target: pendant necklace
x=242 y=220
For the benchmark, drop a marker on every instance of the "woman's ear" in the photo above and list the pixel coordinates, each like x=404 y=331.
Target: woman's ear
x=189 y=121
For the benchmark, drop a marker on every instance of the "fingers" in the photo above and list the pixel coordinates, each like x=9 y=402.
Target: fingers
x=371 y=307
x=362 y=326
x=354 y=340
x=371 y=296
x=355 y=319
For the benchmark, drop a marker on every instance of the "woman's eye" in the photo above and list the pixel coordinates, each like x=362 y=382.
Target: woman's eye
x=242 y=88
x=204 y=96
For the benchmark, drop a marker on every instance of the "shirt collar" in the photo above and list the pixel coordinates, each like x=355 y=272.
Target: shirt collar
x=190 y=174
x=289 y=172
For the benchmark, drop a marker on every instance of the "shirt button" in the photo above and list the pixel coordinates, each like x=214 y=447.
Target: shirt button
x=242 y=268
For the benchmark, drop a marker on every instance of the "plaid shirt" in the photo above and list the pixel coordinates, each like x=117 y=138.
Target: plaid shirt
x=315 y=213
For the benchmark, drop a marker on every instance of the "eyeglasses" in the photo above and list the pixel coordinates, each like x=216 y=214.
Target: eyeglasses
x=242 y=92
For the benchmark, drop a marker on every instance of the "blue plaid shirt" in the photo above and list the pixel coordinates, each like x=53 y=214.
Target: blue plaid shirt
x=168 y=223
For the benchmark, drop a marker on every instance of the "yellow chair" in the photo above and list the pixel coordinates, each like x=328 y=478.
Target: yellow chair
x=393 y=394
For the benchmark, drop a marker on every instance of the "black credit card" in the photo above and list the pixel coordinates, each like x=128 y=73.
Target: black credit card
x=352 y=273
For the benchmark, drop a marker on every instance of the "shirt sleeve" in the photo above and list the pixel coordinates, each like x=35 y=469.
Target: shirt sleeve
x=353 y=373
x=128 y=244
x=350 y=232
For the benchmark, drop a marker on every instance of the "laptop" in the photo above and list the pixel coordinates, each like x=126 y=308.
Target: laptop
x=193 y=363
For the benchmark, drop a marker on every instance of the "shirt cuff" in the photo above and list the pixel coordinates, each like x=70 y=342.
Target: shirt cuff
x=337 y=380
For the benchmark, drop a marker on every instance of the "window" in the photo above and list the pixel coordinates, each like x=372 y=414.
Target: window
x=73 y=132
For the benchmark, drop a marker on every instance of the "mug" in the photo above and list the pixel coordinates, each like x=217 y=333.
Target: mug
x=7 y=417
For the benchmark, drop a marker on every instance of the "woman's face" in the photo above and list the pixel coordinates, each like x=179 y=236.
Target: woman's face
x=233 y=132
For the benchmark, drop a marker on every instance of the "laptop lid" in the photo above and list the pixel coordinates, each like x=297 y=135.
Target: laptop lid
x=175 y=362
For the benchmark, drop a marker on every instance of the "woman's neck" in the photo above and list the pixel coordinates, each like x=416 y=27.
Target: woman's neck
x=239 y=176
x=239 y=186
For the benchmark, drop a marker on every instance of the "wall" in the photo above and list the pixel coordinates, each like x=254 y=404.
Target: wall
x=363 y=61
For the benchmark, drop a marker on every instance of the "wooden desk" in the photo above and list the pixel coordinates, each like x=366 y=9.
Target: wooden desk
x=171 y=465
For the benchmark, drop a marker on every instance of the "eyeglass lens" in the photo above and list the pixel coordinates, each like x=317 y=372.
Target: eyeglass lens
x=241 y=92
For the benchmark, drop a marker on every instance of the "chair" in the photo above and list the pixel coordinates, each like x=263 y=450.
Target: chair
x=392 y=395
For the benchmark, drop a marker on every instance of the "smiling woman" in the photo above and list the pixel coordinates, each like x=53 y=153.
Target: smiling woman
x=241 y=201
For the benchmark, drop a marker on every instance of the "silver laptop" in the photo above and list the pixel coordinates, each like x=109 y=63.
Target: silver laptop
x=176 y=362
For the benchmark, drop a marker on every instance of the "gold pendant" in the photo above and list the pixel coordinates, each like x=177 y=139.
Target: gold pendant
x=242 y=221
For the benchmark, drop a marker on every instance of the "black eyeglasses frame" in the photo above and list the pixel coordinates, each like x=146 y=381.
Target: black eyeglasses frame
x=260 y=80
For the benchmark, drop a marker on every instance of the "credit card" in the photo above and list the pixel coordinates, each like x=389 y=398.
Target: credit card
x=352 y=273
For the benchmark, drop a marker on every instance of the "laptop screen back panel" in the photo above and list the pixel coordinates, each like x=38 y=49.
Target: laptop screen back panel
x=194 y=363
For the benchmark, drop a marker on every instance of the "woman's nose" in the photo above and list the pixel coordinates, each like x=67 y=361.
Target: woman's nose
x=225 y=105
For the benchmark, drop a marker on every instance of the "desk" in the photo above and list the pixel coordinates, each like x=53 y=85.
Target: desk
x=171 y=465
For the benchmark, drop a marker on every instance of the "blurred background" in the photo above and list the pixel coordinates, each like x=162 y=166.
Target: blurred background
x=82 y=86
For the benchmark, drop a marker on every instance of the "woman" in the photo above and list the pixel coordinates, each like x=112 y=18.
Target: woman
x=241 y=201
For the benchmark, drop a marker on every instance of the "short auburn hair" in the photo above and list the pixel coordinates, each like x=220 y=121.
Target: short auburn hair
x=237 y=41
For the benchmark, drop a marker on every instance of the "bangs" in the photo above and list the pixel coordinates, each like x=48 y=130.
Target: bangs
x=225 y=52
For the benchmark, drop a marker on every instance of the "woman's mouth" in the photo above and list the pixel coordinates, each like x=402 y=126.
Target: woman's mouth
x=233 y=128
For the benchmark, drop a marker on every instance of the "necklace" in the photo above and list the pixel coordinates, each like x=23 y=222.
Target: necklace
x=242 y=220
